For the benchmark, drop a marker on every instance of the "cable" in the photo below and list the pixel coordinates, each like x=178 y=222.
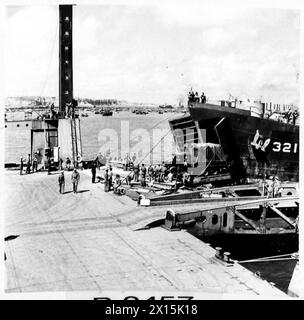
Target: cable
x=287 y=256
x=149 y=152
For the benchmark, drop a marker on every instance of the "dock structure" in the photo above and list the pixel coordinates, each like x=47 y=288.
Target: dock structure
x=96 y=241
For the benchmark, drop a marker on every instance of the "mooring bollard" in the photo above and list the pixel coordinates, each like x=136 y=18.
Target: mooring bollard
x=218 y=252
x=227 y=257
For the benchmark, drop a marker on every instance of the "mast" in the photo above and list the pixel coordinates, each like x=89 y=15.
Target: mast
x=65 y=57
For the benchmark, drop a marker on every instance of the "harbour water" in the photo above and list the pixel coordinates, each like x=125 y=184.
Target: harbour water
x=145 y=132
x=278 y=272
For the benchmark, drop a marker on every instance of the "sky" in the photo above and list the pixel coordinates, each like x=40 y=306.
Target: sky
x=155 y=54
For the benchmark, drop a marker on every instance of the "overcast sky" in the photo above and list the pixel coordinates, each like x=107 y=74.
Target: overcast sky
x=156 y=53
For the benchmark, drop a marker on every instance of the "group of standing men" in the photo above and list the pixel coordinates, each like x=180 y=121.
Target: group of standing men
x=157 y=173
x=29 y=164
x=194 y=97
x=75 y=177
x=109 y=182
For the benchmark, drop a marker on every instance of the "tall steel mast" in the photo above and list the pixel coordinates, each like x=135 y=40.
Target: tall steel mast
x=65 y=56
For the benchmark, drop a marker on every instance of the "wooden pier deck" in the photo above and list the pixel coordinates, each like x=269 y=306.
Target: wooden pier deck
x=87 y=242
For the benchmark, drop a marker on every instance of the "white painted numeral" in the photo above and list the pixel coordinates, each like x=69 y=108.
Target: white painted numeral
x=277 y=146
x=286 y=147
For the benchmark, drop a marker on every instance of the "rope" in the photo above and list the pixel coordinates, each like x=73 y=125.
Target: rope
x=288 y=256
x=208 y=165
x=265 y=260
x=154 y=147
x=149 y=152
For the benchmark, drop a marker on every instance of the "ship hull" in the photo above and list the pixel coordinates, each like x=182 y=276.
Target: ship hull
x=255 y=147
x=253 y=245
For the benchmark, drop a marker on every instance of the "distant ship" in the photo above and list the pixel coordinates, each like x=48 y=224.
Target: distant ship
x=244 y=143
x=107 y=112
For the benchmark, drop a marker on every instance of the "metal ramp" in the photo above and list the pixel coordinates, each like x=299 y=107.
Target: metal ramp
x=76 y=141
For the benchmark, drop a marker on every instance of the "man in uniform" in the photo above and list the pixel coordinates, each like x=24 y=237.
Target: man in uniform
x=49 y=163
x=106 y=180
x=136 y=173
x=60 y=162
x=68 y=163
x=150 y=172
x=75 y=180
x=117 y=183
x=93 y=170
x=110 y=178
x=21 y=165
x=35 y=162
x=196 y=97
x=28 y=164
x=67 y=110
x=61 y=182
x=143 y=175
x=163 y=172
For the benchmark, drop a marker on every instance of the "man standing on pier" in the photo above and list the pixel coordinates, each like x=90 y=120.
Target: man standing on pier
x=35 y=162
x=68 y=163
x=110 y=178
x=60 y=164
x=21 y=166
x=106 y=180
x=28 y=164
x=61 y=182
x=75 y=180
x=49 y=163
x=143 y=175
x=136 y=173
x=150 y=172
x=163 y=172
x=93 y=170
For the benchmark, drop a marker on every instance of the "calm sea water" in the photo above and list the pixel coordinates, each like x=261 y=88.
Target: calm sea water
x=278 y=272
x=148 y=136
